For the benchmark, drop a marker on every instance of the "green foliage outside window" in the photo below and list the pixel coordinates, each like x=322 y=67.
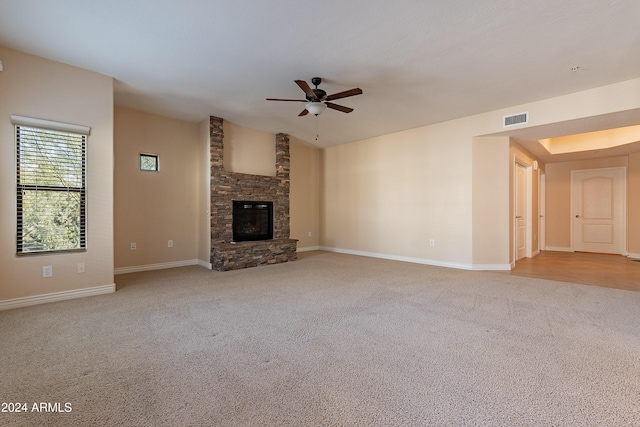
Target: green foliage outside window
x=149 y=162
x=51 y=190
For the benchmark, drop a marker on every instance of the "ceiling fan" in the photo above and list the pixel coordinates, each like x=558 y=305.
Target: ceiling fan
x=318 y=100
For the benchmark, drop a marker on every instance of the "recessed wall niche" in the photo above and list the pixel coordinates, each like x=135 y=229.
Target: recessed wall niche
x=248 y=151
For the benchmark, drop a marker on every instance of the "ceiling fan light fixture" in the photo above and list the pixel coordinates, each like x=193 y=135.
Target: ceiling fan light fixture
x=315 y=108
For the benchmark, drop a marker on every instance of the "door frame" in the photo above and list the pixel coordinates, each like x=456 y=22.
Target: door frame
x=517 y=161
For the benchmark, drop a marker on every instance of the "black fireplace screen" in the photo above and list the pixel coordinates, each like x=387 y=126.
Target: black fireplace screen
x=252 y=221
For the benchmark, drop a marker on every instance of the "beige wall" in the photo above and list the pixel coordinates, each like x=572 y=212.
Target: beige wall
x=558 y=206
x=35 y=87
x=154 y=207
x=305 y=194
x=491 y=201
x=248 y=150
x=388 y=196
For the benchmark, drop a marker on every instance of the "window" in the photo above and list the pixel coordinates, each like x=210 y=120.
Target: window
x=149 y=162
x=51 y=186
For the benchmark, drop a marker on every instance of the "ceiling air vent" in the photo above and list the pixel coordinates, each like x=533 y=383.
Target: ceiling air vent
x=515 y=119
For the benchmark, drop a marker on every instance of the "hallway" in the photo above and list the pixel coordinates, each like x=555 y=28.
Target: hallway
x=612 y=271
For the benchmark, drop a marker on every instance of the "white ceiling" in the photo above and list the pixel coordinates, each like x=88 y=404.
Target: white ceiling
x=418 y=62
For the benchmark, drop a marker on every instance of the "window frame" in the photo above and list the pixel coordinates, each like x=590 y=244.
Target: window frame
x=155 y=156
x=45 y=126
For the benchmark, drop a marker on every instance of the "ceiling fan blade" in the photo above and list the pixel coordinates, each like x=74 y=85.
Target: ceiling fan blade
x=290 y=100
x=303 y=113
x=339 y=107
x=350 y=92
x=307 y=90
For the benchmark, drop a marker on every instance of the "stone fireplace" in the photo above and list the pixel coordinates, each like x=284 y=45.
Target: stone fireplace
x=227 y=252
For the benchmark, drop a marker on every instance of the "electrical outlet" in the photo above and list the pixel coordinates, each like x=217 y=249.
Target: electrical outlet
x=309 y=234
x=133 y=246
x=170 y=243
x=432 y=242
x=47 y=271
x=80 y=267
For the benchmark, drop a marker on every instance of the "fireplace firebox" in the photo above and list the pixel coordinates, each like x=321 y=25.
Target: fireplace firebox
x=252 y=221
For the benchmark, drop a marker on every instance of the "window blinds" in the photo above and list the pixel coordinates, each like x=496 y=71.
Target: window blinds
x=51 y=190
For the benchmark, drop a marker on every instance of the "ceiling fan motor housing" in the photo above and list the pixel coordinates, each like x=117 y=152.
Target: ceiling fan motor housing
x=319 y=92
x=319 y=95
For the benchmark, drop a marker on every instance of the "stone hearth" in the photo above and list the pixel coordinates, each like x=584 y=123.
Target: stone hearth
x=229 y=186
x=233 y=256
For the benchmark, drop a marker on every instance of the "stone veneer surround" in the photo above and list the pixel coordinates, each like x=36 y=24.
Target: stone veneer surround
x=229 y=186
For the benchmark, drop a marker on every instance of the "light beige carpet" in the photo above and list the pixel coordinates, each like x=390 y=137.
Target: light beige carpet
x=332 y=340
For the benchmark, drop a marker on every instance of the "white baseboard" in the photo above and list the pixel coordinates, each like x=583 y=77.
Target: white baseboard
x=308 y=249
x=160 y=266
x=56 y=296
x=558 y=249
x=491 y=267
x=633 y=255
x=205 y=264
x=425 y=261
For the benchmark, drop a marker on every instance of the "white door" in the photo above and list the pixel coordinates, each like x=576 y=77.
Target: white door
x=598 y=210
x=521 y=211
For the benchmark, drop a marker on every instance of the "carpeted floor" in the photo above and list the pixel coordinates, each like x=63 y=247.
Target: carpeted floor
x=330 y=339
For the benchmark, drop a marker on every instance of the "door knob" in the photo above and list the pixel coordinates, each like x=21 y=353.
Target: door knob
x=577 y=216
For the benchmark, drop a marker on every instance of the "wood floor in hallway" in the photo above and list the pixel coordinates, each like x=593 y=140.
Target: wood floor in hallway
x=612 y=271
